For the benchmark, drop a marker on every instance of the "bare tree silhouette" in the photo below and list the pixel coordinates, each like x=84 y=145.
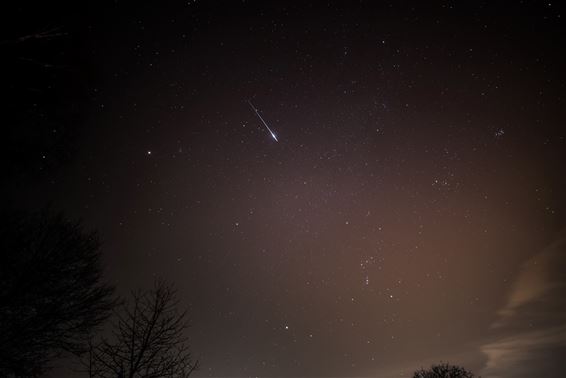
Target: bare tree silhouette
x=51 y=295
x=147 y=339
x=443 y=370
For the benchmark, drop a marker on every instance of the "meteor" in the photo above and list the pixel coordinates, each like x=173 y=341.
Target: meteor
x=262 y=120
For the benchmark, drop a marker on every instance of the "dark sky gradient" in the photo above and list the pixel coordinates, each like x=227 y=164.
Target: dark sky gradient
x=412 y=211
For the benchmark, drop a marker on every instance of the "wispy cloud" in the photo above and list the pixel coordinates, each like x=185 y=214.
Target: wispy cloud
x=531 y=326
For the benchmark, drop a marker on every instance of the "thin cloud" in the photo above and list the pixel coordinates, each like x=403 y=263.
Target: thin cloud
x=532 y=323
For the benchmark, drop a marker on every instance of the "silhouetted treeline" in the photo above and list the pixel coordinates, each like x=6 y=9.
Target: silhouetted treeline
x=443 y=370
x=53 y=300
x=52 y=296
x=148 y=339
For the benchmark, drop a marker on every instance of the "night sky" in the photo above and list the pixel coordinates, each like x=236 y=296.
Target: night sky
x=412 y=210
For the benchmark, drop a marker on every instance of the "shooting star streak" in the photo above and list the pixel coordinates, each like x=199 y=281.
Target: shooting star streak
x=263 y=121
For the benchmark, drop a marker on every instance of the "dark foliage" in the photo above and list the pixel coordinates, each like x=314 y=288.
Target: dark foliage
x=147 y=339
x=443 y=370
x=51 y=295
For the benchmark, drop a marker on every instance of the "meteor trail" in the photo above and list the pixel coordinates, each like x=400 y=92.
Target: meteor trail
x=262 y=120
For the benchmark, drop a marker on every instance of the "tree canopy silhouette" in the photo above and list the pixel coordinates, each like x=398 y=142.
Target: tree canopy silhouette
x=147 y=339
x=51 y=291
x=443 y=370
